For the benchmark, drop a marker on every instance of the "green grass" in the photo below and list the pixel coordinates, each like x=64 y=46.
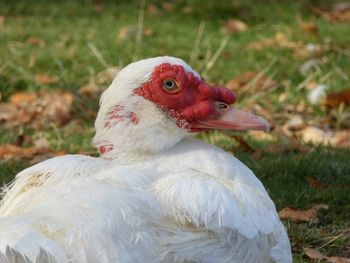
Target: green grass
x=71 y=30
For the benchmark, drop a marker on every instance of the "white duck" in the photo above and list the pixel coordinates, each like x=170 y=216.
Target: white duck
x=156 y=194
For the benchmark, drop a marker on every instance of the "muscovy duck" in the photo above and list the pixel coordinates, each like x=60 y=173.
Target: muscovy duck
x=156 y=194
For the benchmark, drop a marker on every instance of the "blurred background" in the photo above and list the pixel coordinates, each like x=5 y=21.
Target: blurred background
x=288 y=61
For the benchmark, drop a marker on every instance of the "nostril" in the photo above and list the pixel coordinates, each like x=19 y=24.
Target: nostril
x=222 y=105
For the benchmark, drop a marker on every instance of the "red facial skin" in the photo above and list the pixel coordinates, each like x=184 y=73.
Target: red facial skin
x=194 y=99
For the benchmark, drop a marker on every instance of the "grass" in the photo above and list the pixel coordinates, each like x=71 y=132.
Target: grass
x=77 y=39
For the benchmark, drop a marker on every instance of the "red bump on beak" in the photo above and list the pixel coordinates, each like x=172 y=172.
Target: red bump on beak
x=217 y=93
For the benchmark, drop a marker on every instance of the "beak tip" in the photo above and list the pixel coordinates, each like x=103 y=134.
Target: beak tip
x=265 y=124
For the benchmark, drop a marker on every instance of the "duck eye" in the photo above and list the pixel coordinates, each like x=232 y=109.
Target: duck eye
x=170 y=85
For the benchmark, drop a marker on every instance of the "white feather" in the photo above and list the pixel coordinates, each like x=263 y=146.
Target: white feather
x=162 y=197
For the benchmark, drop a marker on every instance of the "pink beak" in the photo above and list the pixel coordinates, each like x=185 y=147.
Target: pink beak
x=233 y=119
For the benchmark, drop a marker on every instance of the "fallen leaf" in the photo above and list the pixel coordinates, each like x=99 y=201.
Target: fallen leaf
x=335 y=99
x=310 y=50
x=314 y=183
x=341 y=139
x=316 y=135
x=339 y=13
x=35 y=41
x=280 y=40
x=338 y=259
x=7 y=112
x=57 y=106
x=261 y=135
x=261 y=44
x=9 y=151
x=148 y=32
x=2 y=19
x=41 y=143
x=99 y=82
x=168 y=7
x=295 y=122
x=234 y=25
x=187 y=10
x=252 y=81
x=45 y=79
x=99 y=7
x=22 y=98
x=153 y=10
x=341 y=6
x=35 y=110
x=314 y=254
x=309 y=215
x=127 y=32
x=309 y=27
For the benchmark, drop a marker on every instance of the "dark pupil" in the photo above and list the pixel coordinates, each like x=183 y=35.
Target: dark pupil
x=169 y=84
x=223 y=106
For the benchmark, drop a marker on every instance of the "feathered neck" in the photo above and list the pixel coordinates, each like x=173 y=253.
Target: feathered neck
x=134 y=130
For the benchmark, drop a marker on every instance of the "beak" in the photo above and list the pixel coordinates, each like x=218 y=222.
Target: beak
x=233 y=119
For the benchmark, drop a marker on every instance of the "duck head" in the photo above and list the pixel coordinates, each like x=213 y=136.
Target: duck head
x=154 y=103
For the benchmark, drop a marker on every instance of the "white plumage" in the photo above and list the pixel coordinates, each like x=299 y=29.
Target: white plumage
x=157 y=195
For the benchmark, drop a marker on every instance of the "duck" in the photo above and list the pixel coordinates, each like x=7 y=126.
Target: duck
x=155 y=194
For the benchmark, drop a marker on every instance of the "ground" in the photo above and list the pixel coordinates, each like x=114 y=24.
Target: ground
x=288 y=48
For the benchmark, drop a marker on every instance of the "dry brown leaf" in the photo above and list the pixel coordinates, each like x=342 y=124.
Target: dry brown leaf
x=168 y=7
x=309 y=215
x=35 y=41
x=339 y=13
x=334 y=100
x=341 y=16
x=37 y=110
x=153 y=10
x=9 y=151
x=98 y=83
x=261 y=135
x=341 y=139
x=187 y=10
x=57 y=106
x=234 y=25
x=7 y=111
x=314 y=254
x=308 y=51
x=251 y=81
x=45 y=79
x=149 y=32
x=2 y=19
x=280 y=40
x=316 y=135
x=314 y=183
x=127 y=32
x=22 y=98
x=338 y=259
x=309 y=27
x=263 y=43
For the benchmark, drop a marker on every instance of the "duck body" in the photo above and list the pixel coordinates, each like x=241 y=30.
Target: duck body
x=193 y=203
x=156 y=195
